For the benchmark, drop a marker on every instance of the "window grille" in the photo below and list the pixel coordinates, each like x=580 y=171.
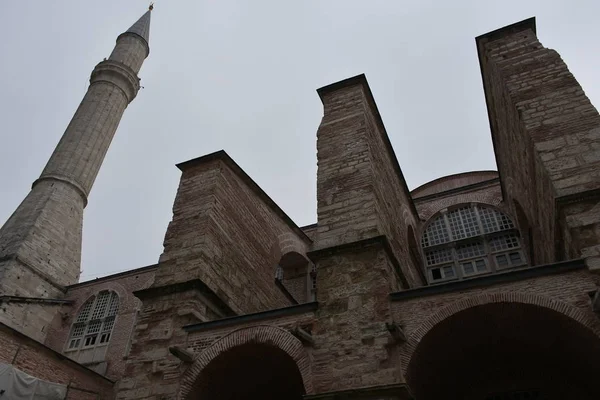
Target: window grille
x=439 y=256
x=504 y=242
x=470 y=250
x=471 y=240
x=436 y=233
x=95 y=321
x=85 y=311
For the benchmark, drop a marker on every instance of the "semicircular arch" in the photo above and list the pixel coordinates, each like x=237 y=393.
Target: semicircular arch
x=261 y=334
x=565 y=309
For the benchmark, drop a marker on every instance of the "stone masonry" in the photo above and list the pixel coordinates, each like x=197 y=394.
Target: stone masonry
x=357 y=169
x=245 y=304
x=40 y=244
x=536 y=105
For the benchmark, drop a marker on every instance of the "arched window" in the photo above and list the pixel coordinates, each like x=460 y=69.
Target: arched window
x=94 y=323
x=468 y=241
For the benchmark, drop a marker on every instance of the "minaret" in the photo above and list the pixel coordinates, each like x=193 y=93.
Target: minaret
x=40 y=244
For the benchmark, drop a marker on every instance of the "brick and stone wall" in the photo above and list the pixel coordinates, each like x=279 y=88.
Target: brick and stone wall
x=227 y=237
x=200 y=340
x=489 y=194
x=41 y=362
x=224 y=233
x=150 y=368
x=124 y=285
x=222 y=248
x=418 y=314
x=535 y=105
x=194 y=381
x=361 y=192
x=353 y=348
x=451 y=182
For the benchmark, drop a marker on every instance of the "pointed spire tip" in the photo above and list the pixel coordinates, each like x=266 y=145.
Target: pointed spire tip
x=142 y=26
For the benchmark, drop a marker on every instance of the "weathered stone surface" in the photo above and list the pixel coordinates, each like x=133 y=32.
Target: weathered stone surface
x=353 y=347
x=213 y=236
x=374 y=315
x=361 y=192
x=40 y=244
x=536 y=106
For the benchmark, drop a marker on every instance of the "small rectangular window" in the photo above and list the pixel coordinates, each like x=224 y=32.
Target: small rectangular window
x=468 y=268
x=445 y=272
x=480 y=265
x=501 y=260
x=90 y=340
x=515 y=258
x=105 y=337
x=448 y=271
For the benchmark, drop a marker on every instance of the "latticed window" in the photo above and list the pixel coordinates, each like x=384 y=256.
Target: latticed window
x=470 y=240
x=95 y=321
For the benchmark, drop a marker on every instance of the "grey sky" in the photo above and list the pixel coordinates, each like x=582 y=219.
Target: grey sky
x=241 y=76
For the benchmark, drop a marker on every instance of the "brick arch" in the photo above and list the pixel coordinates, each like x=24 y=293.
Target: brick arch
x=408 y=216
x=488 y=197
x=456 y=307
x=289 y=242
x=264 y=334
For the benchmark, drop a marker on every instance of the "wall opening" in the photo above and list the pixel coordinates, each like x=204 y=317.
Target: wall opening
x=298 y=276
x=506 y=351
x=250 y=371
x=470 y=240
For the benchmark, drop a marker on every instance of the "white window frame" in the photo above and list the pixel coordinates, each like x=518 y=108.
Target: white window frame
x=488 y=256
x=106 y=318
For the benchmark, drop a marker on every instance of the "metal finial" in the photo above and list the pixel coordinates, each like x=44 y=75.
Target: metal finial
x=151 y=7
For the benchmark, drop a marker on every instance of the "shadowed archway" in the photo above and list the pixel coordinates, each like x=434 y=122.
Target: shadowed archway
x=263 y=360
x=249 y=371
x=506 y=350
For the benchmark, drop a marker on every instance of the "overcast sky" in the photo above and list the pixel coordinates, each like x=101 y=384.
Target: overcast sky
x=241 y=76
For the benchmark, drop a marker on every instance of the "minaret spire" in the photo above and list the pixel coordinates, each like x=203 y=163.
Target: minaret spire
x=40 y=244
x=142 y=26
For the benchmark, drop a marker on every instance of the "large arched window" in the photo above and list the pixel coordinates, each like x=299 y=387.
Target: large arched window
x=93 y=326
x=470 y=240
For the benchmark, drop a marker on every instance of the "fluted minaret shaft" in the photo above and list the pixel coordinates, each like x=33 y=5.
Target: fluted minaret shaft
x=40 y=244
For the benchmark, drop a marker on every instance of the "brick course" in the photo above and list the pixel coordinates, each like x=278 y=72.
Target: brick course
x=215 y=210
x=361 y=192
x=227 y=237
x=565 y=293
x=41 y=362
x=124 y=285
